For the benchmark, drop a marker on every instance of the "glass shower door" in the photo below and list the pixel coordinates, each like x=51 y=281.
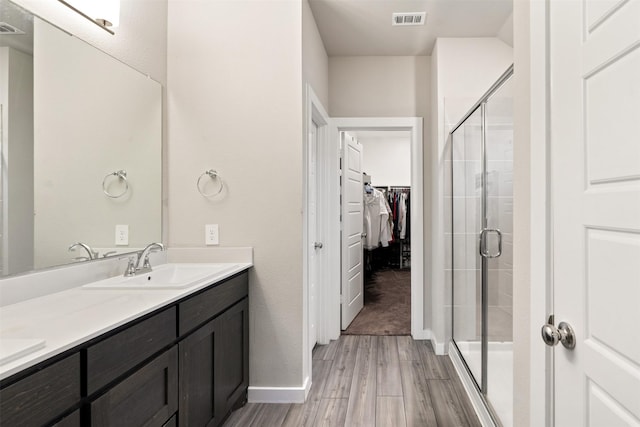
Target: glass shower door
x=482 y=246
x=499 y=216
x=467 y=223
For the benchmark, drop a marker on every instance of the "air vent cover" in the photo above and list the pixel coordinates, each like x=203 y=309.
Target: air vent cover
x=6 y=29
x=410 y=18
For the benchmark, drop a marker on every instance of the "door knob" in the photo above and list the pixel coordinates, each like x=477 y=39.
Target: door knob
x=317 y=245
x=563 y=334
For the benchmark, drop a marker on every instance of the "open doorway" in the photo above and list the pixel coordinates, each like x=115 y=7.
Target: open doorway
x=386 y=240
x=336 y=294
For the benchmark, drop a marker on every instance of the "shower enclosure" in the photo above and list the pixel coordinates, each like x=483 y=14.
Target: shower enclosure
x=482 y=245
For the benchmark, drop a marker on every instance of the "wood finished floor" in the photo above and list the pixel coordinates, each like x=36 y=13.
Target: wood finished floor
x=372 y=381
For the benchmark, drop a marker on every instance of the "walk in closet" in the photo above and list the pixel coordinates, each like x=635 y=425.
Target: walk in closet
x=386 y=159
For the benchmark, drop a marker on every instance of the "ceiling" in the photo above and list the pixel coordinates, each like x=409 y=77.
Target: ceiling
x=363 y=27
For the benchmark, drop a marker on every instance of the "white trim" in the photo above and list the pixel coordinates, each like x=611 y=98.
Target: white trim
x=440 y=348
x=472 y=391
x=532 y=267
x=425 y=334
x=414 y=125
x=315 y=112
x=279 y=394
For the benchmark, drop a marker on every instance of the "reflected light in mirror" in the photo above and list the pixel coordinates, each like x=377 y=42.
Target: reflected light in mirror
x=105 y=13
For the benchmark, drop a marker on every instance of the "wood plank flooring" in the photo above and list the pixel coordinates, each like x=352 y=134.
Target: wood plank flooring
x=371 y=381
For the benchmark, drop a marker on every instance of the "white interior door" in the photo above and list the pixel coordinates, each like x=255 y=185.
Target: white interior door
x=595 y=126
x=312 y=192
x=352 y=224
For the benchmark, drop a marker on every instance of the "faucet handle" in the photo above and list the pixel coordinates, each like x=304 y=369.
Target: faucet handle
x=146 y=263
x=131 y=267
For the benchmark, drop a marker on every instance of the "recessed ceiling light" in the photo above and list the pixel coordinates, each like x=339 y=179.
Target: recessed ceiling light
x=409 y=18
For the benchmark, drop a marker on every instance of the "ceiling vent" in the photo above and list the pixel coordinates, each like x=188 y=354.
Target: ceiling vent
x=411 y=18
x=6 y=29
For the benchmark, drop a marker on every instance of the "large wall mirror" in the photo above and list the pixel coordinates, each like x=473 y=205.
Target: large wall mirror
x=81 y=149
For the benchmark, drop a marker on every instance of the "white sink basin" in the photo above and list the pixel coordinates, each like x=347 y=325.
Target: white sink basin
x=166 y=276
x=14 y=348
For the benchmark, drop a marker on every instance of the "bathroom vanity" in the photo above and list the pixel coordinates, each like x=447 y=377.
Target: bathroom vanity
x=153 y=357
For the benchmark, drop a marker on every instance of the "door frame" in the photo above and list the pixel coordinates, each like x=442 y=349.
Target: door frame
x=330 y=308
x=315 y=112
x=533 y=215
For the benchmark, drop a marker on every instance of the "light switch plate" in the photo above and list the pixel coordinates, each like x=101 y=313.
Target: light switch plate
x=122 y=235
x=211 y=234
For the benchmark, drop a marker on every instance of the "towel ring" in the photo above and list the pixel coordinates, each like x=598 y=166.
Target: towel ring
x=121 y=174
x=213 y=175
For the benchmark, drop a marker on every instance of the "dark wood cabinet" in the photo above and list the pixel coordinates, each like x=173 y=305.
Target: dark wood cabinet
x=233 y=358
x=214 y=368
x=201 y=307
x=122 y=351
x=148 y=397
x=42 y=396
x=199 y=403
x=72 y=420
x=186 y=364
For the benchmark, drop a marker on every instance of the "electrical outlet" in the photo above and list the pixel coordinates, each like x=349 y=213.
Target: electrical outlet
x=211 y=234
x=122 y=235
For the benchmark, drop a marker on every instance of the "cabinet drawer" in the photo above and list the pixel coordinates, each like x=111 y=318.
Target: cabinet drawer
x=202 y=307
x=42 y=396
x=146 y=398
x=114 y=356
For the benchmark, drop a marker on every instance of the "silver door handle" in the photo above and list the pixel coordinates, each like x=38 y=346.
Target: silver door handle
x=317 y=245
x=483 y=242
x=363 y=235
x=563 y=333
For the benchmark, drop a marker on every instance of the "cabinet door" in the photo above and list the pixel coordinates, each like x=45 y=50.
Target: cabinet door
x=233 y=356
x=214 y=368
x=146 y=398
x=199 y=405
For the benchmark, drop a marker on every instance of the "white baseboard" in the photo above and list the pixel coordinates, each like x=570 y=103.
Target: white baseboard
x=279 y=394
x=440 y=348
x=471 y=389
x=424 y=334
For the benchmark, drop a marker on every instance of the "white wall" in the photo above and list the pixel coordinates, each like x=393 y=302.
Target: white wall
x=16 y=98
x=107 y=131
x=379 y=86
x=235 y=103
x=315 y=62
x=387 y=160
x=463 y=69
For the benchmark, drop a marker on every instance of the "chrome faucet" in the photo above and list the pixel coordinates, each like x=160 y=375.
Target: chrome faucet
x=142 y=264
x=92 y=254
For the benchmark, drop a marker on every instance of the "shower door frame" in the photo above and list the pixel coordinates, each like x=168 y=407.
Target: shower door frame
x=479 y=105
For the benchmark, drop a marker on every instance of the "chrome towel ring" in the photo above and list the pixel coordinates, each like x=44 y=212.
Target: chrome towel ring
x=214 y=176
x=121 y=175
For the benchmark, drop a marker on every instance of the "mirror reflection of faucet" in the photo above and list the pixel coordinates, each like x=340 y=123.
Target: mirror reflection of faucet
x=92 y=254
x=141 y=264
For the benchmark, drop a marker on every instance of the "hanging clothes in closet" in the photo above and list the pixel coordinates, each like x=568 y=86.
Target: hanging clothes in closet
x=399 y=200
x=378 y=223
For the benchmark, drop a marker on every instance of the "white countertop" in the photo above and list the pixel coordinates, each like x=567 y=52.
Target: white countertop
x=71 y=317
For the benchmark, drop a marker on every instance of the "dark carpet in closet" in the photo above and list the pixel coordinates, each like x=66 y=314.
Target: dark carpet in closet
x=387 y=307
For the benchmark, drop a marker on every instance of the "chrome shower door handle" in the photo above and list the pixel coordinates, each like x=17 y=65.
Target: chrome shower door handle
x=483 y=243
